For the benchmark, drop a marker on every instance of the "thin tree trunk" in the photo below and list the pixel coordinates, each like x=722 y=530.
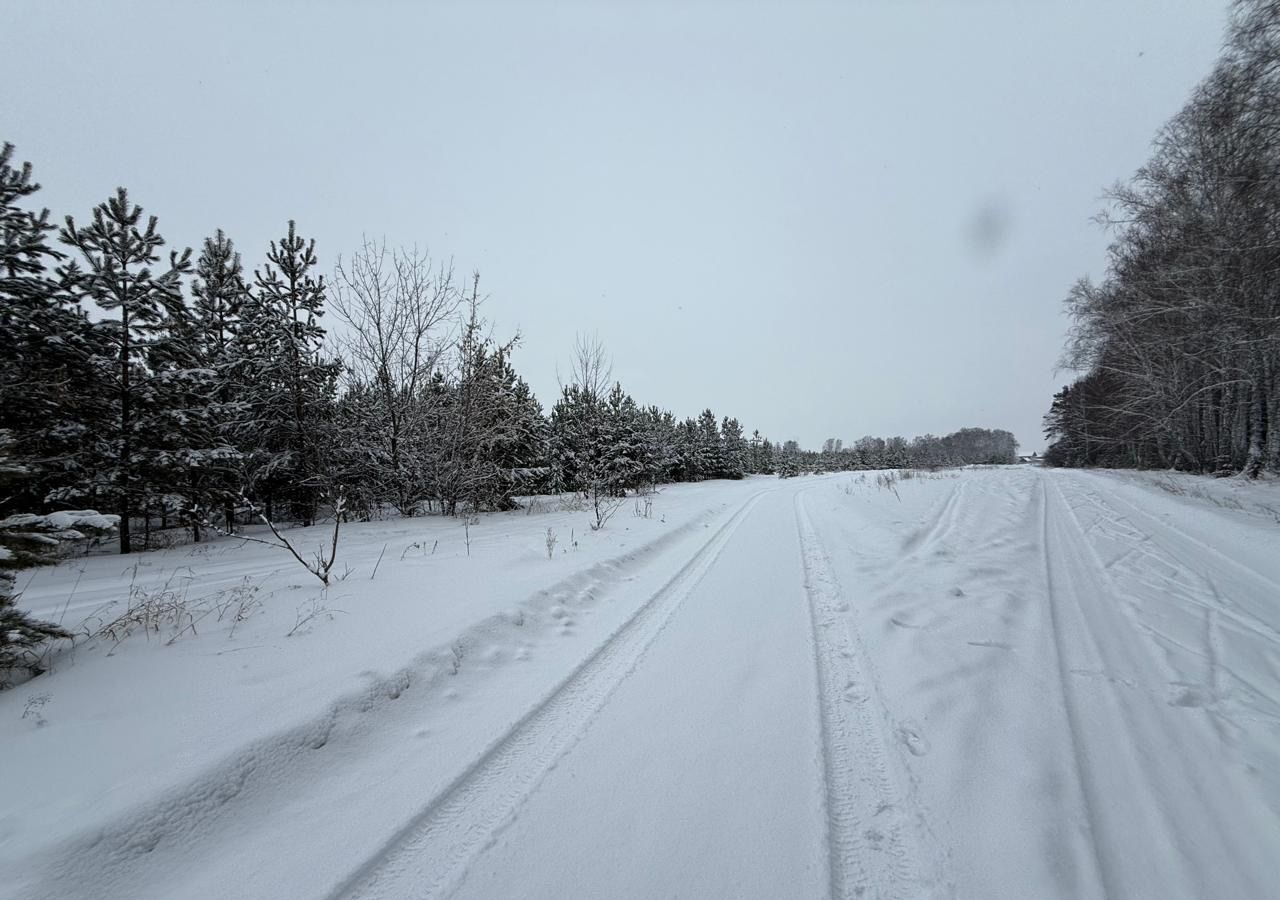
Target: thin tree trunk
x=126 y=445
x=1257 y=424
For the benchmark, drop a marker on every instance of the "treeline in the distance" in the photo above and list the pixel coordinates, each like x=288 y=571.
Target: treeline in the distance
x=1180 y=342
x=178 y=390
x=968 y=446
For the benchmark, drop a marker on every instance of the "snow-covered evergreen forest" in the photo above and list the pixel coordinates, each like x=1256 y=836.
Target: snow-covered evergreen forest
x=195 y=390
x=198 y=391
x=1180 y=342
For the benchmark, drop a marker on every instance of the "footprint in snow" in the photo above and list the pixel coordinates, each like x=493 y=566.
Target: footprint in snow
x=854 y=694
x=1189 y=696
x=995 y=645
x=909 y=734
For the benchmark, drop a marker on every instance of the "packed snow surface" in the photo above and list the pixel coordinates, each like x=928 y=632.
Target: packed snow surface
x=981 y=683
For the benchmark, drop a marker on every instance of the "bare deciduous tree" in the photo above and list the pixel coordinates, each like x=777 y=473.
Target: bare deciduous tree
x=1180 y=342
x=590 y=367
x=400 y=310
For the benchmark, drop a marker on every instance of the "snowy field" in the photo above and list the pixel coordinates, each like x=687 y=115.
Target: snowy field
x=983 y=683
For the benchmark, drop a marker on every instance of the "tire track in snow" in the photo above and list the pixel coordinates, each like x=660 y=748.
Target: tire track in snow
x=123 y=857
x=1164 y=817
x=872 y=850
x=1181 y=534
x=938 y=530
x=1160 y=544
x=1191 y=585
x=1087 y=799
x=942 y=523
x=427 y=857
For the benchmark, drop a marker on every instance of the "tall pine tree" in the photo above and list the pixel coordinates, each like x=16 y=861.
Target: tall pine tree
x=734 y=449
x=47 y=347
x=118 y=255
x=219 y=291
x=287 y=382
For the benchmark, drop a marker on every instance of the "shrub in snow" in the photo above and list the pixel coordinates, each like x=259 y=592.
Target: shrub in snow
x=321 y=563
x=26 y=541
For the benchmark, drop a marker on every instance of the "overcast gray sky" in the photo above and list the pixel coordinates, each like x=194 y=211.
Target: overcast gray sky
x=824 y=219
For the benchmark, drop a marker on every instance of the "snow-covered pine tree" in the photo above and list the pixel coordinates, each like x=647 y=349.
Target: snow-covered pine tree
x=710 y=452
x=358 y=459
x=756 y=454
x=871 y=452
x=506 y=423
x=257 y=377
x=574 y=438
x=733 y=449
x=896 y=455
x=787 y=459
x=488 y=424
x=24 y=234
x=187 y=430
x=662 y=457
x=218 y=292
x=463 y=473
x=687 y=447
x=425 y=448
x=524 y=451
x=45 y=364
x=562 y=441
x=28 y=540
x=768 y=455
x=119 y=254
x=623 y=453
x=288 y=385
x=512 y=429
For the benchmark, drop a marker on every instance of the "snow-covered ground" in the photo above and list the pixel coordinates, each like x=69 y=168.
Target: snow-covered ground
x=984 y=683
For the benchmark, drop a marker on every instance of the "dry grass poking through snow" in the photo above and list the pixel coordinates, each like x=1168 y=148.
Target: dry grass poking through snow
x=169 y=611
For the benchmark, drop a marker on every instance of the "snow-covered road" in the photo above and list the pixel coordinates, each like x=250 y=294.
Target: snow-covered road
x=987 y=683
